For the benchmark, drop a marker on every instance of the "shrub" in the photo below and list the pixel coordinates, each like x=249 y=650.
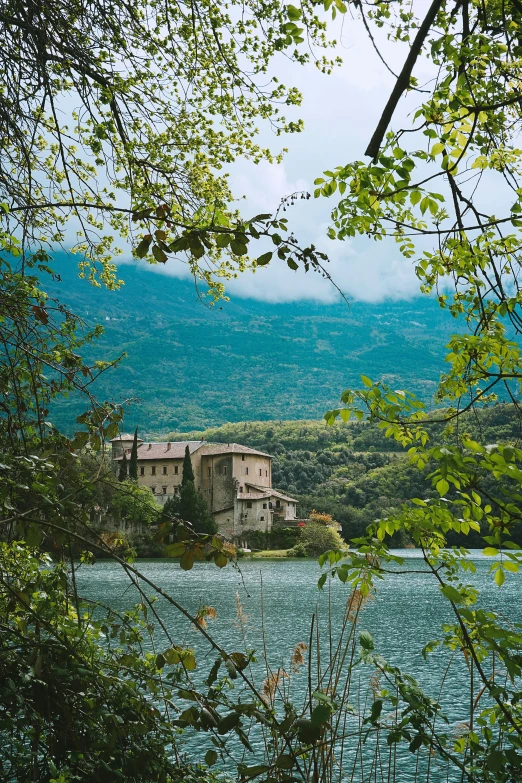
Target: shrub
x=316 y=538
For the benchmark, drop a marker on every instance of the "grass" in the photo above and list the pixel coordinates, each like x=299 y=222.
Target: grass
x=269 y=553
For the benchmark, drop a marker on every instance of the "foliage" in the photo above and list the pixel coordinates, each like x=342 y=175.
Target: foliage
x=190 y=506
x=187 y=473
x=163 y=97
x=132 y=503
x=315 y=539
x=123 y=469
x=432 y=182
x=75 y=692
x=277 y=538
x=133 y=462
x=321 y=518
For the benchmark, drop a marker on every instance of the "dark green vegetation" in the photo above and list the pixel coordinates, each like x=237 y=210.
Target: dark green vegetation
x=190 y=366
x=189 y=505
x=352 y=471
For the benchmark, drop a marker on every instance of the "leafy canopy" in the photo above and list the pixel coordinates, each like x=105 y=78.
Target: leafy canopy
x=124 y=118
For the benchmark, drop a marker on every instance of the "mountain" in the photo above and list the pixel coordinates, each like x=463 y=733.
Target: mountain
x=190 y=366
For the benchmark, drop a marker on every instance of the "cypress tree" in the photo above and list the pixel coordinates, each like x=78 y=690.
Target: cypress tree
x=133 y=464
x=188 y=472
x=192 y=508
x=122 y=475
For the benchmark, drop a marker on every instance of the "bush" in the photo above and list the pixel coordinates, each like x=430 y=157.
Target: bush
x=278 y=538
x=316 y=538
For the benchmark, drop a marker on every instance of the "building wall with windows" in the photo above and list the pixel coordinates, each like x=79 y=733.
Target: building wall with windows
x=235 y=481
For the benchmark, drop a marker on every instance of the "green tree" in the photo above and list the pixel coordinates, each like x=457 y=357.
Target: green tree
x=187 y=470
x=164 y=98
x=133 y=463
x=429 y=180
x=190 y=506
x=123 y=471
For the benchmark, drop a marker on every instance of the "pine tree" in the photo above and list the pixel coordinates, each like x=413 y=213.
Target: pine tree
x=124 y=468
x=188 y=472
x=133 y=464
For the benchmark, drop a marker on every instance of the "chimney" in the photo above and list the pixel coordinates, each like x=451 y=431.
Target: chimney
x=168 y=446
x=150 y=446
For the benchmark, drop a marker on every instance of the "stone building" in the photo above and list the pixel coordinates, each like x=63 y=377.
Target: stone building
x=235 y=480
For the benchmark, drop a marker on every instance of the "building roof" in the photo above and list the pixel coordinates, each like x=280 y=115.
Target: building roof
x=231 y=448
x=125 y=436
x=176 y=449
x=264 y=492
x=172 y=450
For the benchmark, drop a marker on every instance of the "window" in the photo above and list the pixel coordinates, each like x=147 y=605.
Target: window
x=262 y=519
x=164 y=490
x=265 y=505
x=241 y=489
x=224 y=470
x=266 y=473
x=242 y=458
x=164 y=470
x=153 y=470
x=246 y=471
x=249 y=504
x=142 y=471
x=176 y=470
x=176 y=490
x=209 y=472
x=260 y=472
x=153 y=490
x=278 y=504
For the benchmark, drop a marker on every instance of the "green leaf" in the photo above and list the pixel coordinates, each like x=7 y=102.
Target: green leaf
x=159 y=255
x=264 y=259
x=187 y=560
x=229 y=722
x=223 y=240
x=293 y=12
x=500 y=577
x=490 y=551
x=442 y=487
x=285 y=761
x=452 y=594
x=143 y=247
x=366 y=640
x=307 y=731
x=321 y=714
x=366 y=381
x=211 y=757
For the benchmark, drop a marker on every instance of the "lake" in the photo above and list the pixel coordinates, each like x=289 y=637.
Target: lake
x=406 y=613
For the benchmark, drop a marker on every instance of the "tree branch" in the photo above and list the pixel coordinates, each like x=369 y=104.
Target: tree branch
x=403 y=80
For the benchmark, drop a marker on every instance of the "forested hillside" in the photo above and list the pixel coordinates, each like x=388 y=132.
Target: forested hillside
x=191 y=366
x=351 y=470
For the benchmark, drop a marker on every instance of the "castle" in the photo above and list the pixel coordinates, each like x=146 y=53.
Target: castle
x=236 y=481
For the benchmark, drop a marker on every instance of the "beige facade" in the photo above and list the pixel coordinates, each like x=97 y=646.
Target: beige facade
x=236 y=481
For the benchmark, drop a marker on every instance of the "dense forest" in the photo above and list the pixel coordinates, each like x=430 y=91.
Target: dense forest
x=190 y=366
x=351 y=470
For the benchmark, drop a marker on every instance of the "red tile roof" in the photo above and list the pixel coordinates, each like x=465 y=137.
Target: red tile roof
x=231 y=448
x=174 y=450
